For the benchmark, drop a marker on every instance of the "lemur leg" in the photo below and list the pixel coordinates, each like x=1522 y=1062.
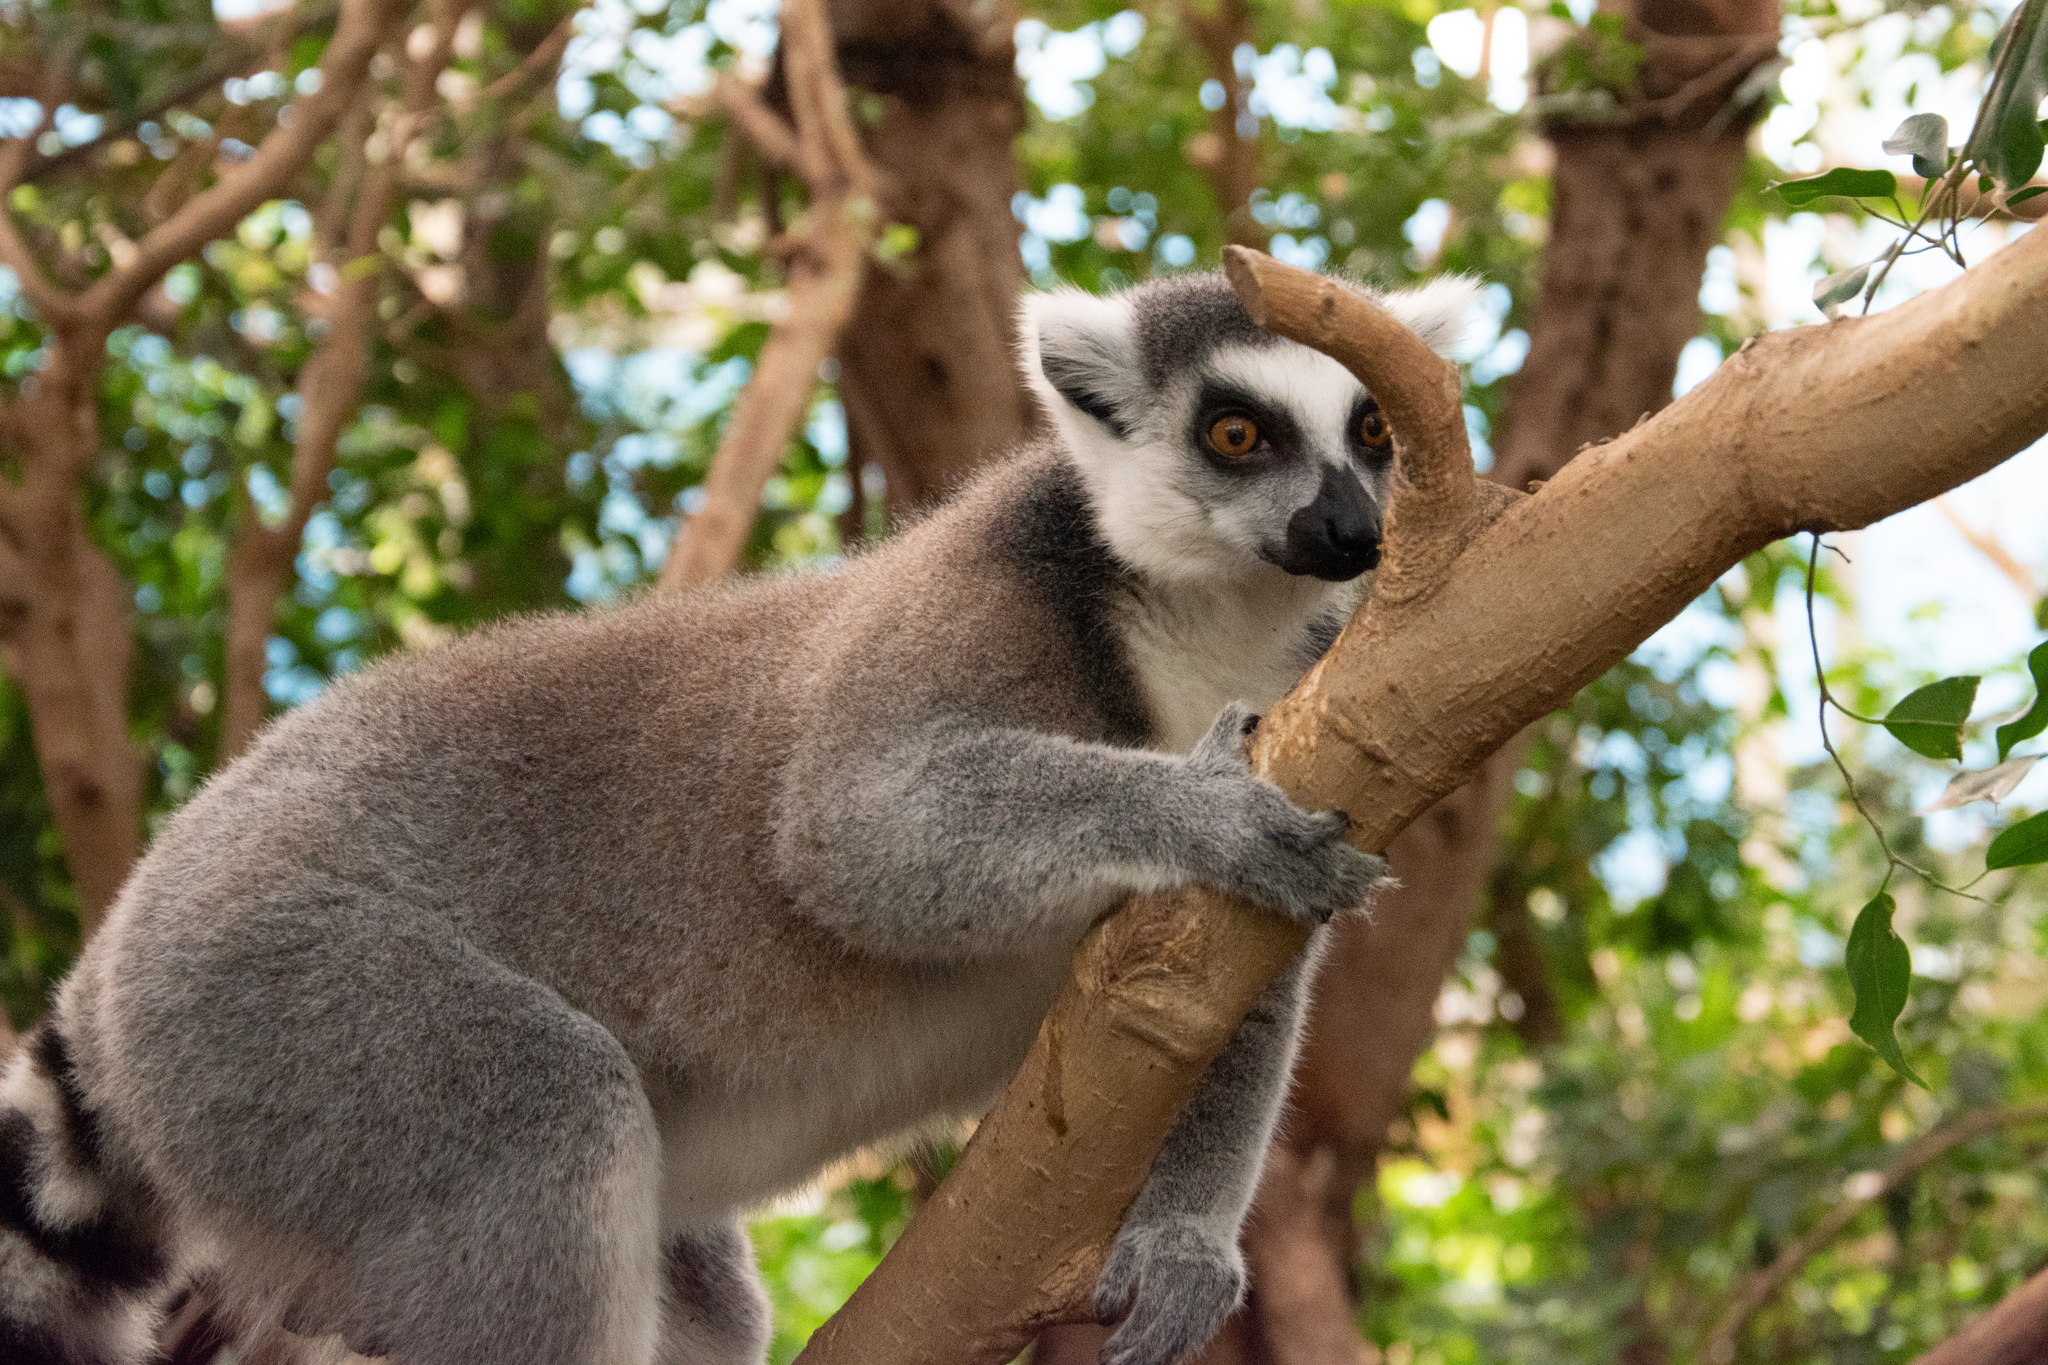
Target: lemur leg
x=1175 y=1271
x=960 y=843
x=388 y=1135
x=715 y=1311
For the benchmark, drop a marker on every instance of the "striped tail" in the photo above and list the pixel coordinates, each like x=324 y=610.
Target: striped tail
x=77 y=1272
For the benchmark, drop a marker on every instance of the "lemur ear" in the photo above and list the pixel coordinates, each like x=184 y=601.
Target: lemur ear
x=1081 y=352
x=1443 y=312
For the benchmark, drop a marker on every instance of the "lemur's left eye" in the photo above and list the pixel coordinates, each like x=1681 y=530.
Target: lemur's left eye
x=1233 y=436
x=1373 y=428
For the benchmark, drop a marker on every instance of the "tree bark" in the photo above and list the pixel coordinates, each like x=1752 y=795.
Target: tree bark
x=1635 y=209
x=1466 y=639
x=928 y=371
x=2015 y=1332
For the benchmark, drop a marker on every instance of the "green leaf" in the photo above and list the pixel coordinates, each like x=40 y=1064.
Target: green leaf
x=2036 y=718
x=1930 y=720
x=1880 y=968
x=1832 y=291
x=2020 y=845
x=1924 y=137
x=2007 y=141
x=1844 y=181
x=2024 y=195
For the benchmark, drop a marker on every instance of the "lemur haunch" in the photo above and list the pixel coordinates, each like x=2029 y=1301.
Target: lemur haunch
x=465 y=1014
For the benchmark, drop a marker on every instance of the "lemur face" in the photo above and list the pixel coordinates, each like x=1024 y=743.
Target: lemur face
x=1210 y=448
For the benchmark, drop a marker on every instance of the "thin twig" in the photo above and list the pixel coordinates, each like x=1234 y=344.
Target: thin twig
x=1757 y=1289
x=1989 y=546
x=1827 y=699
x=241 y=57
x=52 y=303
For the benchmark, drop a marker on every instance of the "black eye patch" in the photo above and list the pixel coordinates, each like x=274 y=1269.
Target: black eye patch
x=1280 y=437
x=1371 y=452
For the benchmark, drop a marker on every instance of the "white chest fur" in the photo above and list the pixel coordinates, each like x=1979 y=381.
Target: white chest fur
x=1196 y=647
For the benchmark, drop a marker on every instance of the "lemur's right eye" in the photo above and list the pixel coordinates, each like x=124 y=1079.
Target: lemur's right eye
x=1233 y=436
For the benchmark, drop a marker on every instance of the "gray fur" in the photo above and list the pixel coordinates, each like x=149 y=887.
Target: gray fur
x=1174 y=1272
x=465 y=1013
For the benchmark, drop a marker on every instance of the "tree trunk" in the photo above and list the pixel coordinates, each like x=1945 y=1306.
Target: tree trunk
x=928 y=371
x=64 y=638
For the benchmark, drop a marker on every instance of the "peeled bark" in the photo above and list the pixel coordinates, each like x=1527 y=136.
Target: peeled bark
x=1468 y=640
x=928 y=372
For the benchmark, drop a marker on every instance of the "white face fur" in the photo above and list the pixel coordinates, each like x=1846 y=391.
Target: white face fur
x=1211 y=450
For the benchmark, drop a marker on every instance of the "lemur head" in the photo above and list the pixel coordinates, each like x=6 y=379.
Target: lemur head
x=1210 y=448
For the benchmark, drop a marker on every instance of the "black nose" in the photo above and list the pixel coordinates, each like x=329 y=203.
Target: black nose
x=1337 y=536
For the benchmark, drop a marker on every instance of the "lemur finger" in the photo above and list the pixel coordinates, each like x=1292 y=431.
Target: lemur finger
x=1179 y=1287
x=1224 y=744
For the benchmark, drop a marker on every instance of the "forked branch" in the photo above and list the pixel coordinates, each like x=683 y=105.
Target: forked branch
x=1540 y=600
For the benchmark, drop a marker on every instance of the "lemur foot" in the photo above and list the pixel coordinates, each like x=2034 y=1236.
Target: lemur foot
x=1269 y=850
x=1173 y=1283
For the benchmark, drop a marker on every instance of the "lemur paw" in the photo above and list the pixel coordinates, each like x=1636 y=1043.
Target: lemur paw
x=1173 y=1284
x=1270 y=850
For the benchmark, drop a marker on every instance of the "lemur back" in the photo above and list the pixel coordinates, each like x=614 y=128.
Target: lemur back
x=466 y=1014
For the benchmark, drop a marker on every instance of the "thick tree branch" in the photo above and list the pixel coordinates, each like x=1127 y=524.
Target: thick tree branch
x=2014 y=1332
x=825 y=277
x=68 y=645
x=1758 y=1288
x=767 y=130
x=1415 y=693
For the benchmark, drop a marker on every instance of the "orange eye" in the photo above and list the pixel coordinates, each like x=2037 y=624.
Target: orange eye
x=1233 y=436
x=1373 y=429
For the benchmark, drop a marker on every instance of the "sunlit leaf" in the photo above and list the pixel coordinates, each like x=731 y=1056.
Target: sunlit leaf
x=1930 y=719
x=1844 y=181
x=1924 y=137
x=1987 y=784
x=2007 y=141
x=1831 y=292
x=1880 y=968
x=2022 y=845
x=2036 y=718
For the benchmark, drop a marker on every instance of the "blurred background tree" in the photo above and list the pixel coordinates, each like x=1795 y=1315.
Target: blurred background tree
x=329 y=330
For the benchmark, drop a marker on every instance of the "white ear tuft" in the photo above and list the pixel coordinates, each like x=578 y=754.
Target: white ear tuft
x=1079 y=352
x=1444 y=312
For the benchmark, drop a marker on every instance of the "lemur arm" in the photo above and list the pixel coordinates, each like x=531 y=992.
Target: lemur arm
x=1176 y=1265
x=962 y=841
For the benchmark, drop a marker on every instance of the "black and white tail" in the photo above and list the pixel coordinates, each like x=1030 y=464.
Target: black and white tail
x=77 y=1272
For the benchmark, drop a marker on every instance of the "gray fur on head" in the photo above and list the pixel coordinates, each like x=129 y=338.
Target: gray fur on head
x=464 y=1017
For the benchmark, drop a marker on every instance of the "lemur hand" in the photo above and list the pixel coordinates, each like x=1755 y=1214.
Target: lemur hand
x=1264 y=847
x=1173 y=1282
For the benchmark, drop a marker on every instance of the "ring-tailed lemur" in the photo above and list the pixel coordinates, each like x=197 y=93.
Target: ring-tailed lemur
x=465 y=1014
